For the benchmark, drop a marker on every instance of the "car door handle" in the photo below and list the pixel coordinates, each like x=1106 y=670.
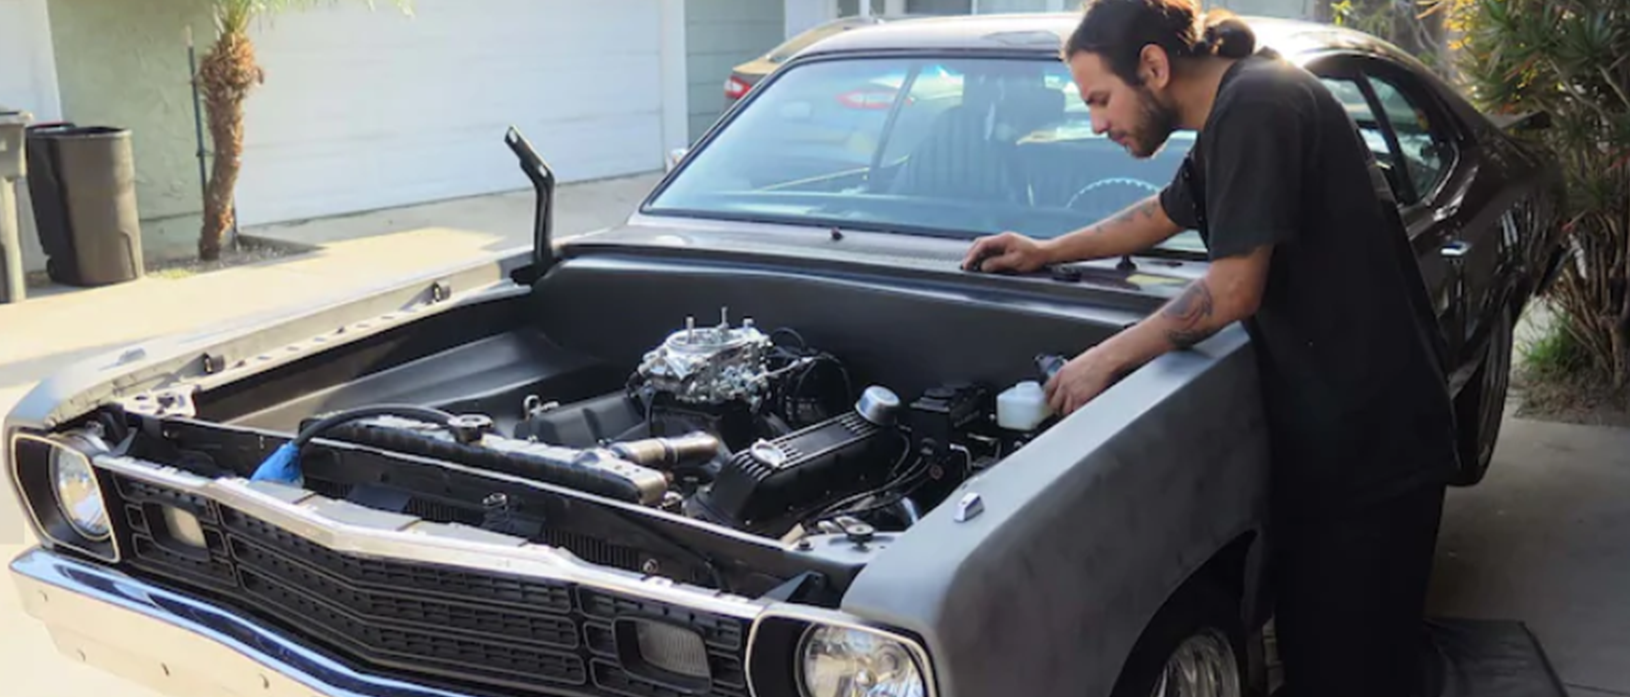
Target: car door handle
x=1449 y=211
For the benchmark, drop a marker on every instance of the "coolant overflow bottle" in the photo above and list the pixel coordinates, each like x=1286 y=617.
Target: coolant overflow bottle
x=1022 y=407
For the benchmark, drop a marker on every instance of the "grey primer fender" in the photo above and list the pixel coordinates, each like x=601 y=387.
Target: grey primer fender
x=1085 y=532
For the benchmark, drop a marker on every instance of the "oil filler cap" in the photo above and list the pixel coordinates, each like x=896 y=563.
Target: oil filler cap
x=879 y=405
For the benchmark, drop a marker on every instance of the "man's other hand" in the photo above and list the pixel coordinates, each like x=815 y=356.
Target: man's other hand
x=1009 y=251
x=1082 y=379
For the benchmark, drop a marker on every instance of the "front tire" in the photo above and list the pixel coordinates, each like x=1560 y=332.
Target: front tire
x=1480 y=407
x=1194 y=646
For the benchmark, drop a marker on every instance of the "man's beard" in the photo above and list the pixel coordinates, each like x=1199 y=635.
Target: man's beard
x=1157 y=124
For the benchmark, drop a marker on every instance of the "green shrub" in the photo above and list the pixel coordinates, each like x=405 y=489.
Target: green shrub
x=1571 y=60
x=1556 y=353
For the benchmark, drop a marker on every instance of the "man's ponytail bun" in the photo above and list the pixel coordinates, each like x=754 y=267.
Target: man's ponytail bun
x=1119 y=30
x=1227 y=36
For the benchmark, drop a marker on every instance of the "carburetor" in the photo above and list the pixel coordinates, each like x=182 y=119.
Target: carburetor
x=710 y=366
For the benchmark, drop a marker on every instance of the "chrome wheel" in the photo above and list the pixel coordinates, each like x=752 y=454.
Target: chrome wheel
x=1204 y=665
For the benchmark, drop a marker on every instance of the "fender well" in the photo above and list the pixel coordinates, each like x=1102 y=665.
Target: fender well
x=1227 y=569
x=1233 y=573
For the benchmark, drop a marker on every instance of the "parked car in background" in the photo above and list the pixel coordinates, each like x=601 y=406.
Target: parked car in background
x=767 y=438
x=744 y=76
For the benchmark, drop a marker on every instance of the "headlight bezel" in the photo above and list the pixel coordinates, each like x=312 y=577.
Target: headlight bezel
x=775 y=662
x=33 y=476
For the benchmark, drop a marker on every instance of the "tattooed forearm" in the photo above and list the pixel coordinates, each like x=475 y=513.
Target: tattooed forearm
x=1137 y=212
x=1141 y=211
x=1137 y=227
x=1190 y=316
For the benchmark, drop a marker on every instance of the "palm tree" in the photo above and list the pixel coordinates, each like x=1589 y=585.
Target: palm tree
x=225 y=75
x=1567 y=58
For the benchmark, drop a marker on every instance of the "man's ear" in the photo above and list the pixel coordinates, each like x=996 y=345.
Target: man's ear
x=1154 y=66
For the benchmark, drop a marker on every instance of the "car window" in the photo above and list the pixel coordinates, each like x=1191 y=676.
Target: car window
x=936 y=89
x=1422 y=148
x=1351 y=96
x=957 y=146
x=1348 y=93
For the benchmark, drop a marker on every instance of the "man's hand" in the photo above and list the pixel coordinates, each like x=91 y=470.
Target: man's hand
x=1140 y=226
x=1230 y=291
x=1009 y=251
x=1082 y=379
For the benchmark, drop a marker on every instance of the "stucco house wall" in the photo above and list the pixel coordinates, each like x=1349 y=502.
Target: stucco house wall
x=124 y=64
x=719 y=34
x=28 y=81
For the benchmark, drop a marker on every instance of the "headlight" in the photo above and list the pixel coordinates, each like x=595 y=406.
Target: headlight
x=62 y=492
x=842 y=662
x=78 y=496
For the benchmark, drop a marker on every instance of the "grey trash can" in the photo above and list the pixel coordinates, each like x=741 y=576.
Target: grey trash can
x=82 y=182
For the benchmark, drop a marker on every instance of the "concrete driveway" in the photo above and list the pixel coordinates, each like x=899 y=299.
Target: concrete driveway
x=1546 y=539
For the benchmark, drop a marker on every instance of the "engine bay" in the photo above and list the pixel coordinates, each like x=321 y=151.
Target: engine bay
x=758 y=432
x=724 y=456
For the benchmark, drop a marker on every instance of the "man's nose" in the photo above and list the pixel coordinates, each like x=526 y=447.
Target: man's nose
x=1099 y=124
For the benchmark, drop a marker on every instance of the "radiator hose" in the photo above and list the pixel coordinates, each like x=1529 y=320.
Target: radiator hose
x=283 y=465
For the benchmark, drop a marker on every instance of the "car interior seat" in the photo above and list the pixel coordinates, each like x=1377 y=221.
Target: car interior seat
x=970 y=152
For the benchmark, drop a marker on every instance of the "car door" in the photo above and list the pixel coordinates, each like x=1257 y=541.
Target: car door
x=1420 y=151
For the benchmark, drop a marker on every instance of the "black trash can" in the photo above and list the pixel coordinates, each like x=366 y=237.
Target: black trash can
x=82 y=182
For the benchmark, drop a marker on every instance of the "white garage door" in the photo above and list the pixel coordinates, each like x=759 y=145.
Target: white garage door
x=363 y=110
x=28 y=72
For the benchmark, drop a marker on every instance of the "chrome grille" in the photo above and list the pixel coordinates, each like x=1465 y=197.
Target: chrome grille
x=421 y=621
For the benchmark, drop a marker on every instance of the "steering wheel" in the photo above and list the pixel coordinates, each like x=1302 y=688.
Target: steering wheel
x=1119 y=192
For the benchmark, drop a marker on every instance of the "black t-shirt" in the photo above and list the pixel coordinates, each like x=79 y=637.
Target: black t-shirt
x=1350 y=352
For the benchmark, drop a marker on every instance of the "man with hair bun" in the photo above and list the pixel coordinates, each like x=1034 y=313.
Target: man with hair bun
x=1308 y=251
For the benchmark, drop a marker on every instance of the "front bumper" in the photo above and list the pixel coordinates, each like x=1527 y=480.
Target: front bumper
x=176 y=645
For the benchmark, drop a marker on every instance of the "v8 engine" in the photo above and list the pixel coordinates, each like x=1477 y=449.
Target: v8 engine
x=733 y=426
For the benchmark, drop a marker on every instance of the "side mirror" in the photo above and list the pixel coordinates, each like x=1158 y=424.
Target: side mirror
x=674 y=157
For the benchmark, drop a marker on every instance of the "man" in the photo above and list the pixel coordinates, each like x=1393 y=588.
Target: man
x=1307 y=250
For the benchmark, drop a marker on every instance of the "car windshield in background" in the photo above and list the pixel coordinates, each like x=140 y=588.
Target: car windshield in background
x=956 y=146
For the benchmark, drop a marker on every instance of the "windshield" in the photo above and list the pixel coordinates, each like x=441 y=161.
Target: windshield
x=950 y=146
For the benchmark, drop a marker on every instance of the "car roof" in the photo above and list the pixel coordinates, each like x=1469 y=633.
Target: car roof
x=1042 y=32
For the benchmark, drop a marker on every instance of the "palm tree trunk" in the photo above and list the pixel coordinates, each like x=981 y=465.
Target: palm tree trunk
x=225 y=76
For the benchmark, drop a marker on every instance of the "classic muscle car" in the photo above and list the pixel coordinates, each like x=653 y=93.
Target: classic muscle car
x=766 y=438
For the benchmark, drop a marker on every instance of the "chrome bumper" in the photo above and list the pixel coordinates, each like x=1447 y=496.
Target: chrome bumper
x=176 y=645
